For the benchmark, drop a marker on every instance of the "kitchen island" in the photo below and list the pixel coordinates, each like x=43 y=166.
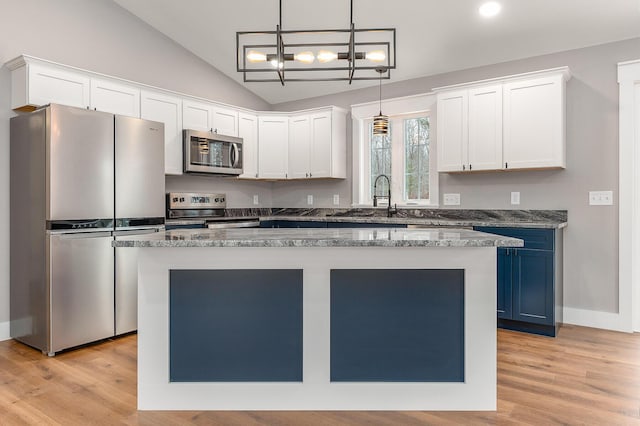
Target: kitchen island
x=317 y=319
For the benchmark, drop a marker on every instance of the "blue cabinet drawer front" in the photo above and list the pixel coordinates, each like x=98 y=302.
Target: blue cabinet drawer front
x=538 y=239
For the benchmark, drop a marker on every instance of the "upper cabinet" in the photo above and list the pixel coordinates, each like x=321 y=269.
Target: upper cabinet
x=34 y=85
x=166 y=109
x=248 y=131
x=209 y=117
x=273 y=142
x=512 y=123
x=116 y=98
x=534 y=123
x=197 y=115
x=328 y=148
x=301 y=145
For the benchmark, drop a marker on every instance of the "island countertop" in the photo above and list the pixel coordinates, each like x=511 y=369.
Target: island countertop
x=343 y=237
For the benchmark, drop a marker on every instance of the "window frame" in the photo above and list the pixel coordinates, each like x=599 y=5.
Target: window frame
x=397 y=109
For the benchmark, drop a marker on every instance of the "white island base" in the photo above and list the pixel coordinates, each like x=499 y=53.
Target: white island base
x=316 y=391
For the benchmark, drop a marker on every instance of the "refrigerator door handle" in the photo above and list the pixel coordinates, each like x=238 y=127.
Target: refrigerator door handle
x=137 y=231
x=70 y=235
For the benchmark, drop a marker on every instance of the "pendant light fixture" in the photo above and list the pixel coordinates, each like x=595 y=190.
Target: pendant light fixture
x=315 y=55
x=380 y=121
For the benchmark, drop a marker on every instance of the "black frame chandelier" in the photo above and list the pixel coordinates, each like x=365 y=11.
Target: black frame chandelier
x=316 y=55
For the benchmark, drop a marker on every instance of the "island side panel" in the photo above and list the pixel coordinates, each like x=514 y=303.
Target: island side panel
x=316 y=392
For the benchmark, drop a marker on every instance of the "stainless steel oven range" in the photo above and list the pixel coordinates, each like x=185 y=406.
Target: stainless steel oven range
x=203 y=210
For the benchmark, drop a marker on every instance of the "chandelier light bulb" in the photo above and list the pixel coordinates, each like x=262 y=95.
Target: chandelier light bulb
x=490 y=9
x=274 y=63
x=305 y=57
x=376 y=56
x=325 y=56
x=255 y=56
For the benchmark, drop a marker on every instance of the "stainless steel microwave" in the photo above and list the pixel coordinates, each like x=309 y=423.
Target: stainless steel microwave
x=208 y=152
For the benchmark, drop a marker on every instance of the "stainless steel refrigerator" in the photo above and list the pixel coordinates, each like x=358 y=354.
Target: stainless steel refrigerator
x=79 y=179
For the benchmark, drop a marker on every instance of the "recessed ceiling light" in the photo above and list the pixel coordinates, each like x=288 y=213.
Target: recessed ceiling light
x=490 y=9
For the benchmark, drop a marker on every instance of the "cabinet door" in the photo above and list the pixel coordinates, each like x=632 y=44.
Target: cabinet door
x=485 y=128
x=248 y=131
x=168 y=110
x=452 y=131
x=504 y=304
x=225 y=121
x=197 y=115
x=533 y=286
x=534 y=123
x=51 y=85
x=299 y=146
x=273 y=138
x=115 y=98
x=321 y=145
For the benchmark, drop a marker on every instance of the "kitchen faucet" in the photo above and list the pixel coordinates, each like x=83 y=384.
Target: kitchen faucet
x=390 y=210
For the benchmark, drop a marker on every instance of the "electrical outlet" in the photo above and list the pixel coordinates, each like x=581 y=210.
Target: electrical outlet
x=336 y=199
x=600 y=198
x=310 y=200
x=256 y=201
x=451 y=199
x=515 y=198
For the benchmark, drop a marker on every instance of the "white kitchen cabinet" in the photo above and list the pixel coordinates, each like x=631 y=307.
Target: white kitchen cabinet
x=115 y=98
x=209 y=117
x=299 y=147
x=35 y=84
x=273 y=141
x=515 y=122
x=317 y=145
x=452 y=130
x=248 y=131
x=328 y=144
x=484 y=148
x=534 y=123
x=197 y=115
x=225 y=121
x=166 y=109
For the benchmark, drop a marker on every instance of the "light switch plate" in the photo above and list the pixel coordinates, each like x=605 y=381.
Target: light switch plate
x=336 y=199
x=515 y=198
x=451 y=199
x=310 y=200
x=256 y=201
x=600 y=198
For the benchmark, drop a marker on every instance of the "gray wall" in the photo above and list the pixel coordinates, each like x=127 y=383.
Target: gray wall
x=591 y=239
x=100 y=36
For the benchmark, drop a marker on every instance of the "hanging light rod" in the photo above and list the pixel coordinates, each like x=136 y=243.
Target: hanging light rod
x=341 y=54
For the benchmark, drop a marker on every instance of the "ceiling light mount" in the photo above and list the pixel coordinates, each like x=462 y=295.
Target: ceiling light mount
x=315 y=55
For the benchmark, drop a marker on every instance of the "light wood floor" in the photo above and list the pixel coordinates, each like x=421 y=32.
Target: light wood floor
x=584 y=376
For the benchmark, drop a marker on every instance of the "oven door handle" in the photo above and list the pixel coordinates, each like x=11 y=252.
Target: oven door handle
x=234 y=155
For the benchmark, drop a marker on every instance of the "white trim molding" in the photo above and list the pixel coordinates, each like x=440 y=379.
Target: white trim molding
x=396 y=106
x=629 y=208
x=4 y=331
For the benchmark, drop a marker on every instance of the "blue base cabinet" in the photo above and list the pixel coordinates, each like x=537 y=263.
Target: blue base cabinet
x=529 y=284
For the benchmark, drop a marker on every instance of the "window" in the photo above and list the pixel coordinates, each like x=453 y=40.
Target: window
x=406 y=155
x=403 y=155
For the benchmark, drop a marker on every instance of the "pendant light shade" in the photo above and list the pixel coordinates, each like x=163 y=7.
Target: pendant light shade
x=380 y=121
x=380 y=124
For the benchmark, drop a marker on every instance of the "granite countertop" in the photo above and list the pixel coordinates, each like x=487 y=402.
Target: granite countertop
x=344 y=237
x=427 y=222
x=545 y=219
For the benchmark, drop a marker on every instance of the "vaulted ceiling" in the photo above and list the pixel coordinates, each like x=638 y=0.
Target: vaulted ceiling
x=433 y=36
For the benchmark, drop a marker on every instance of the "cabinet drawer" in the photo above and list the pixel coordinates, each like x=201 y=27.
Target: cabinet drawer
x=540 y=239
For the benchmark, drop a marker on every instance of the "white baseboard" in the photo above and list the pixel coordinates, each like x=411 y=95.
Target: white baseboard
x=596 y=319
x=4 y=331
